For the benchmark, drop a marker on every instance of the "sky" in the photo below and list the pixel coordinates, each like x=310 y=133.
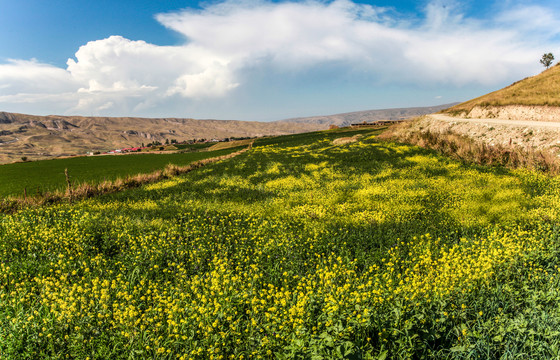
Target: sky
x=264 y=60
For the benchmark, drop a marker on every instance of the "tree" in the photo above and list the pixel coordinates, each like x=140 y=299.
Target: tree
x=546 y=60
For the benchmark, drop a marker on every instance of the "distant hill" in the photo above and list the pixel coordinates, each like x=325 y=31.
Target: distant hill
x=346 y=119
x=37 y=137
x=533 y=98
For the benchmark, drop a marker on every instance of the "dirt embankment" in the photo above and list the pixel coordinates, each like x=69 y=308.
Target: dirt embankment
x=514 y=112
x=526 y=135
x=529 y=127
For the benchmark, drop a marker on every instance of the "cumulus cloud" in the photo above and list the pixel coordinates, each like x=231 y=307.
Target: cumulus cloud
x=120 y=71
x=226 y=41
x=117 y=64
x=444 y=47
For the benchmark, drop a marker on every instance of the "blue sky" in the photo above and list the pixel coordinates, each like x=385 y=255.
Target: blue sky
x=263 y=60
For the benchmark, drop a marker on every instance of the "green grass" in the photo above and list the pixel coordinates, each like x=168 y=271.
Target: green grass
x=229 y=144
x=48 y=175
x=187 y=147
x=296 y=249
x=311 y=137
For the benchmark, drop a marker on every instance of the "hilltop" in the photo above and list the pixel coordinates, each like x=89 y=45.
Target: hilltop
x=533 y=98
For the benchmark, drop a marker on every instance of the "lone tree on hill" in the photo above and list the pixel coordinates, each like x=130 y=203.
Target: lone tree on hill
x=546 y=60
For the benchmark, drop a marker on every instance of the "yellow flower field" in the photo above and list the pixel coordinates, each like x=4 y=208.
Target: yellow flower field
x=297 y=249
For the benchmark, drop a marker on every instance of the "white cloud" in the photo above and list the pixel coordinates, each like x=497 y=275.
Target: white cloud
x=116 y=64
x=118 y=70
x=30 y=76
x=224 y=41
x=536 y=22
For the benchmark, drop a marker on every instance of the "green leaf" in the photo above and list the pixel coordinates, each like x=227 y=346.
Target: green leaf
x=382 y=355
x=458 y=348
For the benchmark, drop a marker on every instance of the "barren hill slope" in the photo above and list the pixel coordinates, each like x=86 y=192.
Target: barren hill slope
x=50 y=136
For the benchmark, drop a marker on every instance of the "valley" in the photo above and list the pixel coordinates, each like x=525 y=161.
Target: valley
x=433 y=238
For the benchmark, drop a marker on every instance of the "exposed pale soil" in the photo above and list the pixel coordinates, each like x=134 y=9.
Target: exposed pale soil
x=528 y=134
x=515 y=112
x=346 y=140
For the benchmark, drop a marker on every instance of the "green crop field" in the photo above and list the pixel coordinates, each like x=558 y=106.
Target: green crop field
x=193 y=147
x=48 y=175
x=296 y=249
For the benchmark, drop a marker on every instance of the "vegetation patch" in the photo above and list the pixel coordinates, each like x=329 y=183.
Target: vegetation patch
x=296 y=249
x=87 y=190
x=229 y=144
x=39 y=177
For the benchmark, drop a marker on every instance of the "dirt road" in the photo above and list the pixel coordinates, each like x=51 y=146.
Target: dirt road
x=533 y=124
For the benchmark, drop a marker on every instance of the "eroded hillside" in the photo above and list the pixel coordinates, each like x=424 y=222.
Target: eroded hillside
x=38 y=137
